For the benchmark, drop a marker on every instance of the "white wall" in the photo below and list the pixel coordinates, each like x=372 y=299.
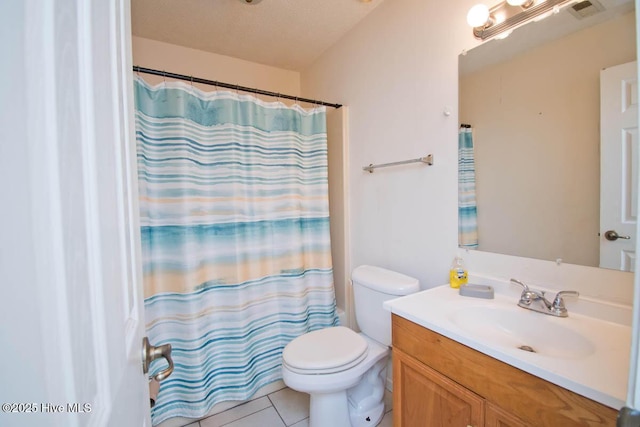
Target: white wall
x=398 y=71
x=337 y=146
x=192 y=62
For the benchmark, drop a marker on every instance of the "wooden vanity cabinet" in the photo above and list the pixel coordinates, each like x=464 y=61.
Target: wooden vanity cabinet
x=498 y=417
x=427 y=398
x=438 y=382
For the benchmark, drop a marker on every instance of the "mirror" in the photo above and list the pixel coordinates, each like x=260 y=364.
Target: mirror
x=533 y=102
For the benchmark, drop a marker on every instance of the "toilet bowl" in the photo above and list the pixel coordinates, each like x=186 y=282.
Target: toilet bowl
x=344 y=372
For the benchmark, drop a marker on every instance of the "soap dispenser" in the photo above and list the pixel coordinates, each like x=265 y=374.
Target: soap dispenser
x=458 y=273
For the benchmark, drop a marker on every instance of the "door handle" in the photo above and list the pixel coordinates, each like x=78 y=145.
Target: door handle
x=151 y=353
x=612 y=235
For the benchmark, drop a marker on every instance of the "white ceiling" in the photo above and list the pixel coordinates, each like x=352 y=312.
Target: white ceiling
x=287 y=34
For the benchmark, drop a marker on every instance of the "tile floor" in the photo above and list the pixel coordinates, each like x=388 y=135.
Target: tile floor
x=283 y=408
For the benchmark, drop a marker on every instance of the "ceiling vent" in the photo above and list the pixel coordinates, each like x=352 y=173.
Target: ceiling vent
x=585 y=8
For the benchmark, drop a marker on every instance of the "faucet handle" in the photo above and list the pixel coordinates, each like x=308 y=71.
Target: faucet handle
x=558 y=299
x=558 y=302
x=518 y=282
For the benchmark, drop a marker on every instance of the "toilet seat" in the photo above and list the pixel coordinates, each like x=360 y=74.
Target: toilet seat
x=325 y=351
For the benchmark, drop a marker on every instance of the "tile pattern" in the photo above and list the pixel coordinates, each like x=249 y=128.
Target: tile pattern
x=282 y=408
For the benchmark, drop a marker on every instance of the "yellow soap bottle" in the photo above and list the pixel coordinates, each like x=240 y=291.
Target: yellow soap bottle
x=458 y=273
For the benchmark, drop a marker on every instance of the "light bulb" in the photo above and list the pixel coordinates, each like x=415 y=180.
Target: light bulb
x=478 y=15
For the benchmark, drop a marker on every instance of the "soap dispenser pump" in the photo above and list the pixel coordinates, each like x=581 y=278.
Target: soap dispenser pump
x=458 y=273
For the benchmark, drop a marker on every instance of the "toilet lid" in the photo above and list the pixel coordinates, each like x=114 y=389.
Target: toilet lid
x=325 y=351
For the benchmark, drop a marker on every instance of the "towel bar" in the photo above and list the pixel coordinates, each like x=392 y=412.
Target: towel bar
x=428 y=159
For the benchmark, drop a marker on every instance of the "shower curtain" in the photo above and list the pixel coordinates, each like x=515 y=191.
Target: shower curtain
x=235 y=238
x=467 y=209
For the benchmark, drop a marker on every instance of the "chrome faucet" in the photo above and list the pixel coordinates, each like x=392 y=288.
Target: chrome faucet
x=537 y=301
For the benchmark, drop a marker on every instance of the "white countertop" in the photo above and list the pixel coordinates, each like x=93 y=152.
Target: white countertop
x=601 y=373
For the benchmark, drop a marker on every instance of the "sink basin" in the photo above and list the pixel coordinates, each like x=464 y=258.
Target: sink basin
x=524 y=330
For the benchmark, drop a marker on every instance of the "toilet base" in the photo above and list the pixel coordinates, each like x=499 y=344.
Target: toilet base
x=341 y=409
x=371 y=417
x=366 y=399
x=329 y=409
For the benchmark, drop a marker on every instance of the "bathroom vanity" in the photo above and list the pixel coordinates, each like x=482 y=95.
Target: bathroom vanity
x=459 y=361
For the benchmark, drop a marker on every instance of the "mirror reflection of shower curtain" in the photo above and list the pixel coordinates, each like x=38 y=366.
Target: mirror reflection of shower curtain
x=235 y=235
x=467 y=209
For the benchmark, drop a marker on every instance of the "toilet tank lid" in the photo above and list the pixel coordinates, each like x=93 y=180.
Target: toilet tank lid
x=383 y=280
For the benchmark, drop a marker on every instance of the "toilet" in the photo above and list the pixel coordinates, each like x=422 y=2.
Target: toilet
x=345 y=372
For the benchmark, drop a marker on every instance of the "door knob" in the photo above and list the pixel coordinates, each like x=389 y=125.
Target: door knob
x=612 y=235
x=151 y=353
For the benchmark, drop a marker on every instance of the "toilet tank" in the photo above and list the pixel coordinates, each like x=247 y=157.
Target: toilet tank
x=372 y=286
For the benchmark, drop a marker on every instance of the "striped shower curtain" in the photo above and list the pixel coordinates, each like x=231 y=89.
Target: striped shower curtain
x=235 y=238
x=467 y=209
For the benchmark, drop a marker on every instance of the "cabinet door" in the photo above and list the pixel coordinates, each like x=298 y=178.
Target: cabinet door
x=498 y=417
x=425 y=398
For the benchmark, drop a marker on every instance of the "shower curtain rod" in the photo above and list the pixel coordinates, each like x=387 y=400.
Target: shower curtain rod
x=230 y=86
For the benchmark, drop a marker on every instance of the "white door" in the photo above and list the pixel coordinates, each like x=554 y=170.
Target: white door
x=618 y=166
x=72 y=319
x=629 y=416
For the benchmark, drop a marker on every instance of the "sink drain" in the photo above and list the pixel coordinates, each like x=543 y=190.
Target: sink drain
x=527 y=348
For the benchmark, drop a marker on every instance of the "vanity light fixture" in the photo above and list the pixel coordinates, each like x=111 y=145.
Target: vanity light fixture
x=505 y=16
x=523 y=3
